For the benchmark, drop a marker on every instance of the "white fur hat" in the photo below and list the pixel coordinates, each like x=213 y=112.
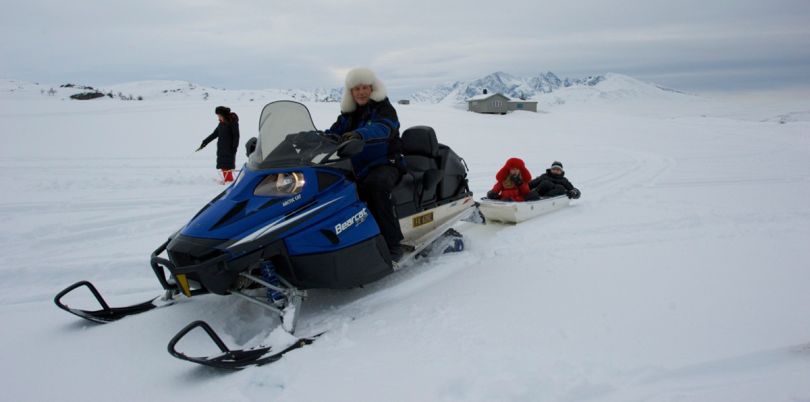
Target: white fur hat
x=356 y=77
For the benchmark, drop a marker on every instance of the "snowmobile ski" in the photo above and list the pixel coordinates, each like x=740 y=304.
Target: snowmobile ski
x=233 y=359
x=109 y=314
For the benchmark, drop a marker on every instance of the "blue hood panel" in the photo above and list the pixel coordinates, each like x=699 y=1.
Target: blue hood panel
x=238 y=213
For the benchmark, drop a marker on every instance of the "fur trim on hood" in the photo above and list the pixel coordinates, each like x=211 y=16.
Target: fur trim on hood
x=514 y=163
x=356 y=77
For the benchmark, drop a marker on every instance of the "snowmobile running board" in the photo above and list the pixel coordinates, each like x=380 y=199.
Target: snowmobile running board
x=109 y=314
x=415 y=247
x=232 y=359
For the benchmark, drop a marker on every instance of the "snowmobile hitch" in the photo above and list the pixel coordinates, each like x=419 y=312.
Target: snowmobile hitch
x=232 y=359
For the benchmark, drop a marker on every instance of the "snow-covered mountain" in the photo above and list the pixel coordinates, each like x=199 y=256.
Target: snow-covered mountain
x=535 y=87
x=162 y=90
x=507 y=84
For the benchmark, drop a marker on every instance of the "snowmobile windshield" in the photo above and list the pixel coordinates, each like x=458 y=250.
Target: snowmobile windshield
x=287 y=137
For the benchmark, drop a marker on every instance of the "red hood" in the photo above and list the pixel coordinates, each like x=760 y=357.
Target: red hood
x=514 y=163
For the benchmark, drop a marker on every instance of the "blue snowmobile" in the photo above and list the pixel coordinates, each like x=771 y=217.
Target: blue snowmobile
x=293 y=221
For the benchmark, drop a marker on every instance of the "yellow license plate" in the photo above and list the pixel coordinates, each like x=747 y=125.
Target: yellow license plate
x=422 y=219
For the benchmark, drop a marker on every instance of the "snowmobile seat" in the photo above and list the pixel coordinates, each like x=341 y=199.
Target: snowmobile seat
x=416 y=190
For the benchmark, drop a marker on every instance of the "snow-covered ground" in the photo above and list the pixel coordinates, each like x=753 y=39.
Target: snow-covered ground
x=681 y=274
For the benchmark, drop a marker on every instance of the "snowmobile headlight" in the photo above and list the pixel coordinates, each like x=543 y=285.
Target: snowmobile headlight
x=281 y=185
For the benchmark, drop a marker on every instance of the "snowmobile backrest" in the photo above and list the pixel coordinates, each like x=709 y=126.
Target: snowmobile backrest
x=417 y=187
x=454 y=171
x=420 y=140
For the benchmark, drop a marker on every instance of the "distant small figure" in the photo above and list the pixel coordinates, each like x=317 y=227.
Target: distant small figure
x=227 y=136
x=513 y=182
x=51 y=92
x=552 y=184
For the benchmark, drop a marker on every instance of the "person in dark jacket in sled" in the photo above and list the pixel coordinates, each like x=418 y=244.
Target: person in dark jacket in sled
x=513 y=182
x=227 y=136
x=367 y=115
x=553 y=183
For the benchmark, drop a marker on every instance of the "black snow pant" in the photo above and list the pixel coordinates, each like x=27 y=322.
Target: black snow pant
x=375 y=189
x=548 y=188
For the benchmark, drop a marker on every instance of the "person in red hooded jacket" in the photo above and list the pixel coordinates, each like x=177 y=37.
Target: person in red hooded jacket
x=513 y=182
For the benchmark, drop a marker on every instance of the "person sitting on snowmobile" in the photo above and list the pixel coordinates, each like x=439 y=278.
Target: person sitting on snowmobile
x=553 y=183
x=227 y=136
x=513 y=182
x=366 y=114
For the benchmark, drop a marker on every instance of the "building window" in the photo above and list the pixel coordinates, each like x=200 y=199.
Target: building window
x=496 y=103
x=520 y=106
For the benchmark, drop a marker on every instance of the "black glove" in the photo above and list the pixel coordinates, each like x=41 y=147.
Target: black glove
x=517 y=180
x=351 y=135
x=305 y=137
x=202 y=145
x=574 y=193
x=332 y=136
x=493 y=195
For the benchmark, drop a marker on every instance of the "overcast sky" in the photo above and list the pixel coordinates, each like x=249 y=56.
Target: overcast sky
x=700 y=46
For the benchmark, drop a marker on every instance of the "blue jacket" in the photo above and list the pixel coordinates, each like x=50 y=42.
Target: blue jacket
x=378 y=124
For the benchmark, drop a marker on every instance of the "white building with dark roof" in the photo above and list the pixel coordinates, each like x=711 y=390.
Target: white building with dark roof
x=498 y=103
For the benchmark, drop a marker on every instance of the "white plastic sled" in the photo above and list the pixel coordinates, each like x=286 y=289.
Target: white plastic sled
x=516 y=212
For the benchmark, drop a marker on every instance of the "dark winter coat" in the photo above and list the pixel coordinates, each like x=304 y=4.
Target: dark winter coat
x=378 y=125
x=505 y=187
x=227 y=136
x=553 y=178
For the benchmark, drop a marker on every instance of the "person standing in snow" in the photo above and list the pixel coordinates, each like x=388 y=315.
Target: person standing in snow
x=512 y=182
x=367 y=115
x=553 y=183
x=227 y=136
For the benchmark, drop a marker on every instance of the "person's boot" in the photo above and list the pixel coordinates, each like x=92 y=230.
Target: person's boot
x=227 y=176
x=396 y=252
